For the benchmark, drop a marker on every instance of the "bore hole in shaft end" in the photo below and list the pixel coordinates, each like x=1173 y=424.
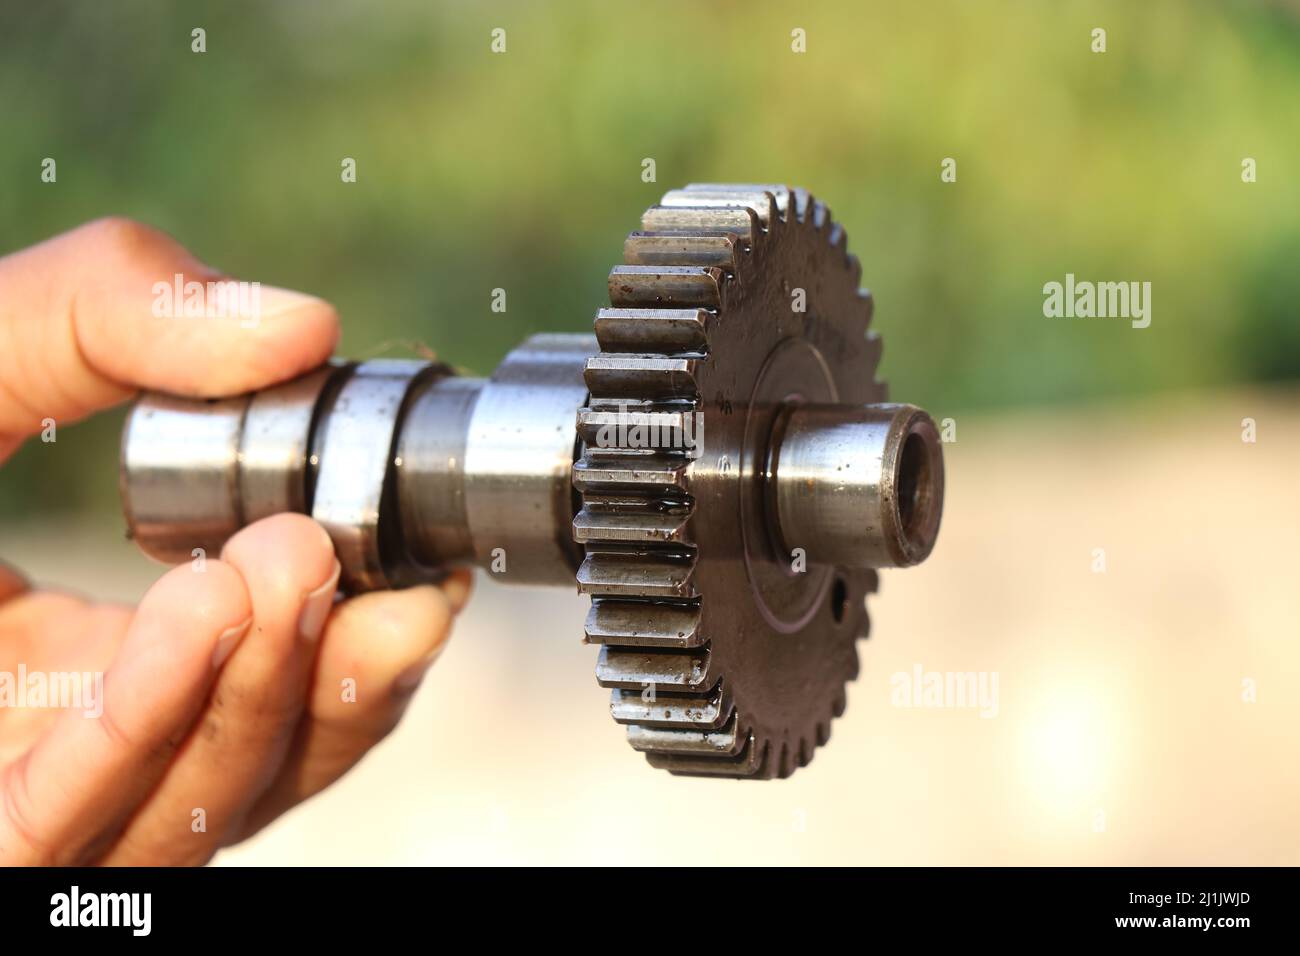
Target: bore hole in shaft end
x=918 y=489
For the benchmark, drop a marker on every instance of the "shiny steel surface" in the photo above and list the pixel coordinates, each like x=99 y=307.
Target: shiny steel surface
x=180 y=468
x=410 y=469
x=727 y=638
x=717 y=465
x=519 y=461
x=352 y=479
x=859 y=486
x=275 y=444
x=431 y=471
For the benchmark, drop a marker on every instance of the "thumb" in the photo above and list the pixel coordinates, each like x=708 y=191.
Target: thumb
x=92 y=315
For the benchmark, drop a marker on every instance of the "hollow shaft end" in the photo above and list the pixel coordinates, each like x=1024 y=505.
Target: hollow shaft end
x=859 y=486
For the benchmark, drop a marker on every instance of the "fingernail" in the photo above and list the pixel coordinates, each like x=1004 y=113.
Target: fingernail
x=271 y=301
x=311 y=620
x=457 y=587
x=410 y=678
x=228 y=640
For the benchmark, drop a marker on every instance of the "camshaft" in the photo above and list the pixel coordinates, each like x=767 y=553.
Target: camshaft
x=412 y=469
x=717 y=468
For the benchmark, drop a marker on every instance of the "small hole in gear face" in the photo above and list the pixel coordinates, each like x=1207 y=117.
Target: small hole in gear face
x=839 y=600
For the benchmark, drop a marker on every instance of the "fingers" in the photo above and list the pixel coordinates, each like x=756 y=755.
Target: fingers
x=375 y=651
x=91 y=315
x=71 y=793
x=43 y=632
x=237 y=745
x=458 y=586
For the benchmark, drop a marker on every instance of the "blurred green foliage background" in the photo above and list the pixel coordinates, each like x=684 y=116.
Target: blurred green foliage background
x=523 y=170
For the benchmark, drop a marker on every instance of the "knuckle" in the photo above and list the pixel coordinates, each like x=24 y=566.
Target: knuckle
x=211 y=598
x=112 y=731
x=122 y=235
x=292 y=554
x=19 y=843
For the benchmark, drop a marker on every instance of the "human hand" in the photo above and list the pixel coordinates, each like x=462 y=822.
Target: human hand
x=221 y=691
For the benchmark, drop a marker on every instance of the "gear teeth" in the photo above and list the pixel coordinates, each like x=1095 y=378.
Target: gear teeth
x=821 y=216
x=642 y=624
x=592 y=526
x=614 y=574
x=838 y=705
x=637 y=500
x=636 y=521
x=681 y=248
x=875 y=348
x=855 y=268
x=803 y=202
x=870 y=300
x=739 y=221
x=621 y=428
x=653 y=330
x=823 y=732
x=839 y=240
x=864 y=625
x=765 y=199
x=668 y=286
x=782 y=762
x=626 y=471
x=675 y=712
x=748 y=763
x=642 y=668
x=719 y=743
x=764 y=205
x=633 y=376
x=803 y=754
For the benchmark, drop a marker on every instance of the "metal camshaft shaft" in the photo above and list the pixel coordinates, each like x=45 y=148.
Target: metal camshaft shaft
x=717 y=467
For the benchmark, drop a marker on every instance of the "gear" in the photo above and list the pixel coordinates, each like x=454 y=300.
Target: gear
x=732 y=484
x=723 y=654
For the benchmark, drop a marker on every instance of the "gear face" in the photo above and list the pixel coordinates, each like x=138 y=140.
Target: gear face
x=726 y=649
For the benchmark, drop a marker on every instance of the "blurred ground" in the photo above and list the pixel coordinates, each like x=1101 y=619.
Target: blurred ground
x=1121 y=735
